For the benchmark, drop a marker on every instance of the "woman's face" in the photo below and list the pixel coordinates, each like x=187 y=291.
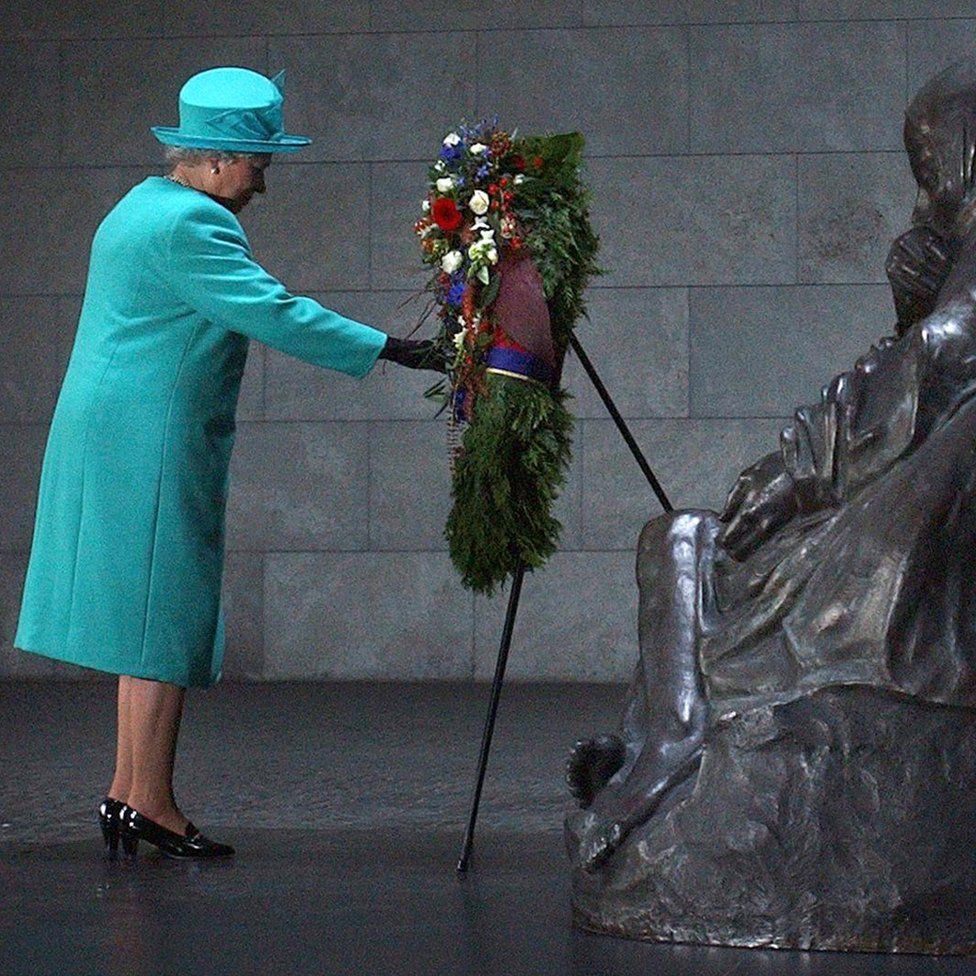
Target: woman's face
x=236 y=182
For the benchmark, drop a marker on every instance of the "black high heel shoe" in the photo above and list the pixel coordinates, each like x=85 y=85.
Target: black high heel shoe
x=134 y=827
x=108 y=819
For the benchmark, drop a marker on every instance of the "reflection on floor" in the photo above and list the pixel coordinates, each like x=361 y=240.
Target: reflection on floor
x=346 y=804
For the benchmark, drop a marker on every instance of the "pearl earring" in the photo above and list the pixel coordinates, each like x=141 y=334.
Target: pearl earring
x=215 y=171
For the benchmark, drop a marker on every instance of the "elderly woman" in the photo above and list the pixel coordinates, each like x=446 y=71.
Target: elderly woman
x=127 y=557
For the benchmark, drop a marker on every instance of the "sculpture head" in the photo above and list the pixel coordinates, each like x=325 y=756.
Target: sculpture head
x=940 y=137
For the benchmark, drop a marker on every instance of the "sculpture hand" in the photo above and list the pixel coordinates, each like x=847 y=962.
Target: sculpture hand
x=762 y=501
x=917 y=266
x=766 y=469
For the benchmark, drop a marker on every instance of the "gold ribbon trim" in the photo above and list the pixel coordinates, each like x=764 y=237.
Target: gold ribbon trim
x=514 y=376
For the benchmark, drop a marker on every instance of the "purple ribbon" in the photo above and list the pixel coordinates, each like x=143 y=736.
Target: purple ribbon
x=520 y=363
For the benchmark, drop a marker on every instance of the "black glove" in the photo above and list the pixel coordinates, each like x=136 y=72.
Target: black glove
x=415 y=354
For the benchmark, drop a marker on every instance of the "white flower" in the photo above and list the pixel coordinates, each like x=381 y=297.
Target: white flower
x=439 y=166
x=519 y=179
x=477 y=149
x=452 y=139
x=482 y=225
x=425 y=206
x=479 y=202
x=459 y=338
x=452 y=261
x=483 y=251
x=445 y=184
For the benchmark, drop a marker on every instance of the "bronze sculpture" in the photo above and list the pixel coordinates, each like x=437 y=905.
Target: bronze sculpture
x=836 y=591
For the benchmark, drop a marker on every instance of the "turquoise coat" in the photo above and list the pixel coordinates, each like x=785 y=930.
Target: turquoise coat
x=127 y=557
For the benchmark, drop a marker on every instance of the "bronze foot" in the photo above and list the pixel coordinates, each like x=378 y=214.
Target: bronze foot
x=591 y=764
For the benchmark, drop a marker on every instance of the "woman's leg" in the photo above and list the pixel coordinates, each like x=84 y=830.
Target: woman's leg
x=122 y=779
x=149 y=721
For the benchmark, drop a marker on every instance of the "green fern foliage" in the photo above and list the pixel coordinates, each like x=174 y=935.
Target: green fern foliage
x=506 y=479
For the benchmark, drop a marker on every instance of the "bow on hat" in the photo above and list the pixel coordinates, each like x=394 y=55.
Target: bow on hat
x=232 y=109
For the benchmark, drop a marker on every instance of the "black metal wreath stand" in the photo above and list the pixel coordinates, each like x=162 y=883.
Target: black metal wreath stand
x=515 y=593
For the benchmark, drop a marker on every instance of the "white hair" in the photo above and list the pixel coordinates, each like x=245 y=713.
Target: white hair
x=193 y=157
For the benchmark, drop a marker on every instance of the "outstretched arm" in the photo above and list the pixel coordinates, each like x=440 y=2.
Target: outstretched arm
x=868 y=417
x=212 y=270
x=865 y=420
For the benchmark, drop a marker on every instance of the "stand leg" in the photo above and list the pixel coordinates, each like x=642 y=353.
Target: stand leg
x=619 y=421
x=513 y=600
x=496 y=690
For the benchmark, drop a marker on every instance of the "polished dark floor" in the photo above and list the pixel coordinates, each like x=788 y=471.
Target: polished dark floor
x=346 y=804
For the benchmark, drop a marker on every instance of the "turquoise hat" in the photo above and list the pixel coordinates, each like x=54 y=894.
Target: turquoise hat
x=231 y=110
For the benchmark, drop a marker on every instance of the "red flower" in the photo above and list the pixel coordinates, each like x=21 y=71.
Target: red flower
x=446 y=214
x=518 y=162
x=537 y=162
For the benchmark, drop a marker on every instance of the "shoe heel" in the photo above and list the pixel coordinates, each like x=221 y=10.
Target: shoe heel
x=130 y=845
x=110 y=834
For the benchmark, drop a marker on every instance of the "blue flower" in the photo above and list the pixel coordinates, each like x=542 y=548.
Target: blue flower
x=455 y=293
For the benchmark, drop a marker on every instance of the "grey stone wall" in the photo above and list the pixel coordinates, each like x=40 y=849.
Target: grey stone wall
x=747 y=171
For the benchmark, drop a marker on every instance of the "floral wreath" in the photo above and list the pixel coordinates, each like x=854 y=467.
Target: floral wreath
x=506 y=229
